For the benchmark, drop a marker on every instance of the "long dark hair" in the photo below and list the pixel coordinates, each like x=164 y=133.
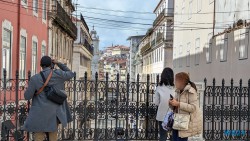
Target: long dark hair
x=167 y=77
x=186 y=79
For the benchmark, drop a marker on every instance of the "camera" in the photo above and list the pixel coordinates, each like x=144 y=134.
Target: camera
x=52 y=66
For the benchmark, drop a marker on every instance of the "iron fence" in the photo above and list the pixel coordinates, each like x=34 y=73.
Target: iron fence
x=226 y=112
x=102 y=110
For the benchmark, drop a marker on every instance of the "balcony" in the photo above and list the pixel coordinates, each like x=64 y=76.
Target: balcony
x=88 y=46
x=153 y=43
x=164 y=13
x=145 y=48
x=159 y=38
x=62 y=19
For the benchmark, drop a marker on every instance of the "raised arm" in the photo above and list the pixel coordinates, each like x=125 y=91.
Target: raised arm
x=65 y=72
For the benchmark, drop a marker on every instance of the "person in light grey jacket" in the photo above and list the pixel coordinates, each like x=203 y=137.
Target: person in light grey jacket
x=162 y=95
x=45 y=115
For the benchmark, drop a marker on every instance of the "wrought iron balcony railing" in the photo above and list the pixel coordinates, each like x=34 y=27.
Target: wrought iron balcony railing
x=153 y=43
x=88 y=46
x=164 y=13
x=61 y=17
x=146 y=47
x=159 y=38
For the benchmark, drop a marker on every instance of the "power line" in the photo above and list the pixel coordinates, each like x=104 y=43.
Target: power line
x=176 y=27
x=118 y=16
x=114 y=15
x=116 y=10
x=175 y=13
x=115 y=21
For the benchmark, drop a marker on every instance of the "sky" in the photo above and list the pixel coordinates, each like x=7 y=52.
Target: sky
x=136 y=18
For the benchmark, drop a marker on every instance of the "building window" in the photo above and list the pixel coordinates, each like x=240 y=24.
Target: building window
x=35 y=6
x=182 y=11
x=43 y=53
x=188 y=54
x=209 y=48
x=199 y=5
x=223 y=49
x=6 y=52
x=190 y=9
x=180 y=56
x=34 y=58
x=44 y=10
x=197 y=51
x=22 y=57
x=24 y=1
x=211 y=1
x=243 y=47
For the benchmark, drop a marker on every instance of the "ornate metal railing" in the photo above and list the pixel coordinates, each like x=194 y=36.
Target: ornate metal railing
x=102 y=110
x=226 y=112
x=146 y=47
x=62 y=18
x=88 y=47
x=153 y=43
x=159 y=38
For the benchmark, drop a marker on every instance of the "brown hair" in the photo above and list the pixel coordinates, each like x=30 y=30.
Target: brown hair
x=184 y=77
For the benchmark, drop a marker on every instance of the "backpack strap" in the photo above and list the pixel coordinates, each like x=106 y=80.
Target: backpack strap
x=44 y=79
x=45 y=83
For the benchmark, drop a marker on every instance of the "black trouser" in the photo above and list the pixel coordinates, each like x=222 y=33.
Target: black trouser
x=176 y=136
x=163 y=133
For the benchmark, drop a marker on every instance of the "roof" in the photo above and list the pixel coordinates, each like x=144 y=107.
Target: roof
x=158 y=6
x=82 y=20
x=137 y=36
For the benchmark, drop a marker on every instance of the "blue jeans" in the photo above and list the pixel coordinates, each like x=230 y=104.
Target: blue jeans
x=163 y=133
x=176 y=136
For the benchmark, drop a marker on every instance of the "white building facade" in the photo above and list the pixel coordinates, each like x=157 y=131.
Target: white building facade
x=131 y=63
x=156 y=48
x=215 y=42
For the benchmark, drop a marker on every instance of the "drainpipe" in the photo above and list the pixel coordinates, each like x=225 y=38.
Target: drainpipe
x=18 y=35
x=214 y=17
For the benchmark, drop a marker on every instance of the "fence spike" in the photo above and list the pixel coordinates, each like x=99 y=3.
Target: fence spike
x=29 y=75
x=128 y=77
x=4 y=73
x=205 y=80
x=138 y=77
x=86 y=75
x=214 y=81
x=96 y=75
x=240 y=82
x=107 y=76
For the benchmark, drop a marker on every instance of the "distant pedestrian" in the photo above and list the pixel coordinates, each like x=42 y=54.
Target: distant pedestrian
x=186 y=102
x=162 y=95
x=45 y=115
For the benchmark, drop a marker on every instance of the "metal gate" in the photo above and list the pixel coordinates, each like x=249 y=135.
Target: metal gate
x=226 y=112
x=102 y=110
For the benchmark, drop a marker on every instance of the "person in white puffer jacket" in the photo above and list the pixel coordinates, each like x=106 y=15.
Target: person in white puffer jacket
x=162 y=94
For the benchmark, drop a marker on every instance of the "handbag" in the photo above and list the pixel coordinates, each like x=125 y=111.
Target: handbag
x=54 y=95
x=168 y=121
x=181 y=121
